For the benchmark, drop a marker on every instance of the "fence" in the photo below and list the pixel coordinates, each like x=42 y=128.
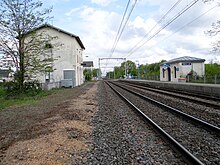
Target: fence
x=207 y=79
x=156 y=78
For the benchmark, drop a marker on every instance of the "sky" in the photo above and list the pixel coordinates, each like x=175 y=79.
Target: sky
x=96 y=22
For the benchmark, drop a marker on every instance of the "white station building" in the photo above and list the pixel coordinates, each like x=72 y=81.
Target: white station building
x=175 y=69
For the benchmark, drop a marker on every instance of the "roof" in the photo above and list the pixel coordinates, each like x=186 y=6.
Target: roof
x=60 y=30
x=184 y=59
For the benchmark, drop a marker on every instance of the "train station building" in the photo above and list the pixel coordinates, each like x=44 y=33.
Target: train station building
x=178 y=69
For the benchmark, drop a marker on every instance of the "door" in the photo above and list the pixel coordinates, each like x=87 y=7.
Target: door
x=69 y=75
x=169 y=73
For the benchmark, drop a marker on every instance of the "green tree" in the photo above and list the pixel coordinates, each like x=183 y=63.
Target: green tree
x=18 y=19
x=131 y=67
x=96 y=72
x=110 y=75
x=154 y=68
x=212 y=69
x=147 y=70
x=143 y=71
x=119 y=71
x=88 y=74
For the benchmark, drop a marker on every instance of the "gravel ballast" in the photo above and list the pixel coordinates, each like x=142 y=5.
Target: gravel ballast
x=120 y=136
x=203 y=144
x=206 y=113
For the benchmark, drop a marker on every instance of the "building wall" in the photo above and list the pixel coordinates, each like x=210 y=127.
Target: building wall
x=182 y=70
x=68 y=55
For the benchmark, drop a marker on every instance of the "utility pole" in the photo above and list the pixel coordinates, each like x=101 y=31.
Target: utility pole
x=125 y=68
x=111 y=59
x=138 y=71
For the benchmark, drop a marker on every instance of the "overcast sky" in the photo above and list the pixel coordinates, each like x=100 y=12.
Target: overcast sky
x=96 y=22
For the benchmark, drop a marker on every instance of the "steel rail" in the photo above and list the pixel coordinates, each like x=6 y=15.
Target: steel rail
x=189 y=157
x=206 y=125
x=178 y=96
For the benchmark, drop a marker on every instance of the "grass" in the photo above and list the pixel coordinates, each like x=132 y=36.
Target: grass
x=15 y=102
x=20 y=100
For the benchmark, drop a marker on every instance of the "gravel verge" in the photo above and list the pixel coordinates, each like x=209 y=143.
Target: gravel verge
x=120 y=136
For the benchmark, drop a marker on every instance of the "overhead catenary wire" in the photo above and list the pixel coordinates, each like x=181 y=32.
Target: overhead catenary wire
x=119 y=29
x=187 y=7
x=157 y=23
x=163 y=27
x=123 y=27
x=206 y=12
x=119 y=36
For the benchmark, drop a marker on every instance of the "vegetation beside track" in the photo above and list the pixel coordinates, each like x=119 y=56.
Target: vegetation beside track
x=8 y=99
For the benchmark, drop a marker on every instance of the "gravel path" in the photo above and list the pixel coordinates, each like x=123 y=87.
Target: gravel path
x=120 y=136
x=198 y=141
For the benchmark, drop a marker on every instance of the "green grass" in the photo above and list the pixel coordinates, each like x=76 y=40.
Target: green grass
x=20 y=100
x=15 y=102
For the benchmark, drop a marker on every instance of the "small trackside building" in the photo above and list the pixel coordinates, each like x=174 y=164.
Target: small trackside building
x=178 y=68
x=68 y=71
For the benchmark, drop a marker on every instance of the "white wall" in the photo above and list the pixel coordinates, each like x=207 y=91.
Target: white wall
x=182 y=70
x=69 y=56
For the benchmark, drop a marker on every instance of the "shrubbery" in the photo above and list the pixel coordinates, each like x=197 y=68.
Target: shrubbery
x=11 y=89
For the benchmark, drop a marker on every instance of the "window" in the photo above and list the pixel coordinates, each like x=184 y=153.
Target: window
x=68 y=74
x=186 y=63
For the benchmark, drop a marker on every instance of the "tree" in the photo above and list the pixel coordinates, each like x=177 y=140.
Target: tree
x=118 y=72
x=215 y=31
x=19 y=19
x=88 y=74
x=131 y=67
x=212 y=69
x=154 y=68
x=96 y=72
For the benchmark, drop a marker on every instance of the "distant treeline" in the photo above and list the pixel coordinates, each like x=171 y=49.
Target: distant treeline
x=150 y=70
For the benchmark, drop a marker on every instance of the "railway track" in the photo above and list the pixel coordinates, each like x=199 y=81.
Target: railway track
x=191 y=139
x=213 y=102
x=184 y=103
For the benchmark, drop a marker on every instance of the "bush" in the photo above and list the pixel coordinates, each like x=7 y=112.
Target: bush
x=12 y=89
x=2 y=91
x=32 y=88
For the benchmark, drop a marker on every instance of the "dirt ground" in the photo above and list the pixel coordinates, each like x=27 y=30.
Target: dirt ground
x=54 y=131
